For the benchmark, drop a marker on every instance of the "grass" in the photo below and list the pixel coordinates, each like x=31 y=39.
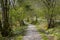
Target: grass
x=18 y=37
x=19 y=30
x=18 y=33
x=46 y=34
x=14 y=38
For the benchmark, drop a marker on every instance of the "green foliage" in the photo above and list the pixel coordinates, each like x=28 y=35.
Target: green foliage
x=27 y=10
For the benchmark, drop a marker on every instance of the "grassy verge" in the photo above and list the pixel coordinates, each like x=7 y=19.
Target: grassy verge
x=18 y=37
x=12 y=38
x=49 y=34
x=18 y=33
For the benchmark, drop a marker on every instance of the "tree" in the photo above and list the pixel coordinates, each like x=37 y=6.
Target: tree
x=6 y=30
x=50 y=5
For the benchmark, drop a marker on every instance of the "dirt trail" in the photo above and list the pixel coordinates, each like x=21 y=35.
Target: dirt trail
x=32 y=33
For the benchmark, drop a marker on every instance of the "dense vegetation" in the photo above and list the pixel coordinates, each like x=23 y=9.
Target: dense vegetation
x=45 y=14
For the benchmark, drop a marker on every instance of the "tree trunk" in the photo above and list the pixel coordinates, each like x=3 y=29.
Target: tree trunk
x=5 y=18
x=0 y=26
x=51 y=22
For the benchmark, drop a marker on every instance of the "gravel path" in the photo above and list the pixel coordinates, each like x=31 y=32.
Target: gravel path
x=32 y=33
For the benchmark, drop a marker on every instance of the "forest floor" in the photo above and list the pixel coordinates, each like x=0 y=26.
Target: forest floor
x=32 y=33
